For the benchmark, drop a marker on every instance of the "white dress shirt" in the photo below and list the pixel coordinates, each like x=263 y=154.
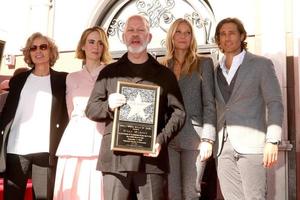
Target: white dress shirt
x=237 y=61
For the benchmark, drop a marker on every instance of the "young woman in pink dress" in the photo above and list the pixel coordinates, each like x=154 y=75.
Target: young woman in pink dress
x=76 y=175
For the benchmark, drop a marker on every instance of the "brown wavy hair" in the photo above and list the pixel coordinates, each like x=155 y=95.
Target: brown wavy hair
x=191 y=59
x=80 y=53
x=240 y=28
x=52 y=48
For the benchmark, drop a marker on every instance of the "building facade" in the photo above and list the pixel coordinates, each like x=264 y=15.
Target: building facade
x=272 y=26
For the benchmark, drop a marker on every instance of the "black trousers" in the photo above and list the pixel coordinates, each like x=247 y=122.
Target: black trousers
x=20 y=168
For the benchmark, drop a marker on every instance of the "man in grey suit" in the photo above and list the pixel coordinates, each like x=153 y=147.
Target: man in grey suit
x=249 y=115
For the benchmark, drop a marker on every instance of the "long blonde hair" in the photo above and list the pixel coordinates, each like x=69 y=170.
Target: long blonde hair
x=191 y=59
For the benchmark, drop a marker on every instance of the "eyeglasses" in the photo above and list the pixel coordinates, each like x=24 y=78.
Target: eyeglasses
x=42 y=47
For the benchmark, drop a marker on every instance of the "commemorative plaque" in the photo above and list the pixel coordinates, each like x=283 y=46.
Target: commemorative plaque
x=135 y=123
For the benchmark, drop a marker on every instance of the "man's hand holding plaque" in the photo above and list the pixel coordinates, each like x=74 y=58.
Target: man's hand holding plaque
x=156 y=153
x=116 y=100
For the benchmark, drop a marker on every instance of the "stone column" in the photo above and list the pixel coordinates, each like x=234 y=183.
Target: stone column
x=40 y=16
x=272 y=43
x=295 y=64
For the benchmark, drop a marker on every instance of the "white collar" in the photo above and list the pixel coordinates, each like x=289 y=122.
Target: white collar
x=236 y=62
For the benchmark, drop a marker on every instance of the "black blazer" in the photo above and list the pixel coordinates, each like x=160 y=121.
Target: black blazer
x=59 y=116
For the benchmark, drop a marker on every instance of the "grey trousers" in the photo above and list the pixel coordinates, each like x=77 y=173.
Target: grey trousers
x=241 y=176
x=186 y=172
x=134 y=185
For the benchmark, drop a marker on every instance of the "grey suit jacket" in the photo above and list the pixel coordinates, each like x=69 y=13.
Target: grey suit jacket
x=197 y=90
x=254 y=111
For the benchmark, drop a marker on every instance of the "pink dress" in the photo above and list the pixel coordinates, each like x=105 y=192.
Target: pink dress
x=76 y=174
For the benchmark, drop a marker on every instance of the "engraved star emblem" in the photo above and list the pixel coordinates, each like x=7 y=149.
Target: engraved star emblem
x=137 y=107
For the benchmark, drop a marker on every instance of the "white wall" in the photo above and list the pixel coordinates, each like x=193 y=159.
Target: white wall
x=14 y=20
x=63 y=20
x=70 y=19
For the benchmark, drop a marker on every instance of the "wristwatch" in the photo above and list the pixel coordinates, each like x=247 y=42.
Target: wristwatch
x=275 y=143
x=207 y=140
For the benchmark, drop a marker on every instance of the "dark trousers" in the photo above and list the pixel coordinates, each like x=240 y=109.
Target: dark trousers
x=134 y=185
x=20 y=168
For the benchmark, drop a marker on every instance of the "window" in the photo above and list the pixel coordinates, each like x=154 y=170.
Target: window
x=161 y=14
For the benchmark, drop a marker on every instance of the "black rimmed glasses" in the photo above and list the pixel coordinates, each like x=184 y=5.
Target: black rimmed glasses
x=42 y=47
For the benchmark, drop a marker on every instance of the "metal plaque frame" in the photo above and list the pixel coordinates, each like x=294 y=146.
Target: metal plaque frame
x=135 y=123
